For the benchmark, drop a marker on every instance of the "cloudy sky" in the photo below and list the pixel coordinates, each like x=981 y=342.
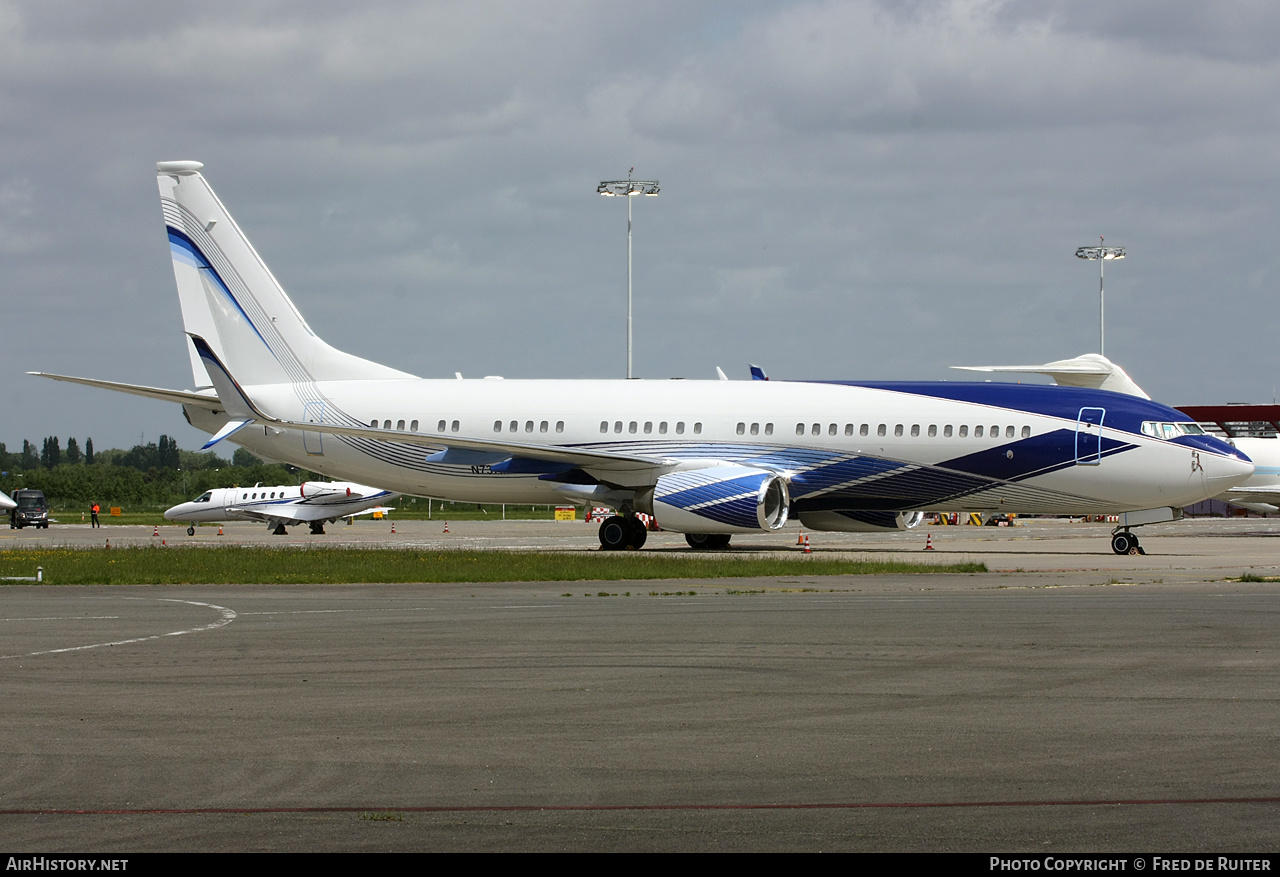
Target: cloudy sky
x=849 y=189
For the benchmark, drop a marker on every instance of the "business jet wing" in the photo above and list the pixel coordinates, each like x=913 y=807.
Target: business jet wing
x=207 y=399
x=1092 y=370
x=6 y=503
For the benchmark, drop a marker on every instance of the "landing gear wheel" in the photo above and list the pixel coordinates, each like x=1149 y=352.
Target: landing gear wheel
x=191 y=531
x=1126 y=543
x=619 y=534
x=639 y=533
x=708 y=541
x=317 y=528
x=280 y=530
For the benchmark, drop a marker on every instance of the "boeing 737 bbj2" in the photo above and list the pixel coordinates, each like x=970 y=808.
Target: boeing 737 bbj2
x=705 y=458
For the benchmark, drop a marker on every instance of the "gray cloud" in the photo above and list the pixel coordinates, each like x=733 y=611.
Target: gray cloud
x=849 y=189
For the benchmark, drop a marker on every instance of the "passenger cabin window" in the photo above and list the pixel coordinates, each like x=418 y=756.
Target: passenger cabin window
x=768 y=429
x=1008 y=431
x=440 y=426
x=697 y=429
x=897 y=430
x=648 y=427
x=864 y=429
x=742 y=429
x=915 y=430
x=933 y=430
x=559 y=426
x=453 y=427
x=413 y=427
x=604 y=426
x=679 y=427
x=799 y=429
x=497 y=426
x=400 y=425
x=977 y=432
x=882 y=430
x=542 y=427
x=528 y=426
x=1026 y=432
x=964 y=431
x=662 y=428
x=946 y=431
x=755 y=429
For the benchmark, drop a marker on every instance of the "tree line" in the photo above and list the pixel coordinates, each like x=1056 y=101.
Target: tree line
x=155 y=473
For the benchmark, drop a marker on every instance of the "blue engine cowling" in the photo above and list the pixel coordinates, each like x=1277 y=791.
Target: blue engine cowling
x=721 y=499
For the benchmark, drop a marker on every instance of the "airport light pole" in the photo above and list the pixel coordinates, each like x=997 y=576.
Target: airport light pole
x=628 y=188
x=1101 y=254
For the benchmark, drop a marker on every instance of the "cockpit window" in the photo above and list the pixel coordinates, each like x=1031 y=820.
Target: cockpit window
x=1170 y=430
x=204 y=497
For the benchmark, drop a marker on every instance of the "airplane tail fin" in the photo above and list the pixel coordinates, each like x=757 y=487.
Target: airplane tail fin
x=230 y=298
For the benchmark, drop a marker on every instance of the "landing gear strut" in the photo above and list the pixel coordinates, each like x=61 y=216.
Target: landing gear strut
x=622 y=533
x=1125 y=542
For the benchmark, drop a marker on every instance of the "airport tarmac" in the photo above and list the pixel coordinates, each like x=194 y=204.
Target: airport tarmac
x=1062 y=702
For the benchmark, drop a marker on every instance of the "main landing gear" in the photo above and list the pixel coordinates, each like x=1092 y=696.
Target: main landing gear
x=622 y=533
x=707 y=541
x=317 y=528
x=280 y=530
x=1125 y=542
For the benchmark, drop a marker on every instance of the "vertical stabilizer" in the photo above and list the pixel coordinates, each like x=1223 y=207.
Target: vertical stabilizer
x=230 y=298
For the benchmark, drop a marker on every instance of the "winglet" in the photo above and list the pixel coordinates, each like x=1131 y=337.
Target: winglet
x=757 y=373
x=234 y=399
x=232 y=427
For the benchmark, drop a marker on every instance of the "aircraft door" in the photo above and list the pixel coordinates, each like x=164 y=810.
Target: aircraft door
x=313 y=442
x=1089 y=436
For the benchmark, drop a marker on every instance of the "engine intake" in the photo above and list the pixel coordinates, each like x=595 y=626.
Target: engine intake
x=722 y=499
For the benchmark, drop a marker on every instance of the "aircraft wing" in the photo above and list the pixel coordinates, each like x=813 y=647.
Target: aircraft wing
x=1092 y=370
x=182 y=397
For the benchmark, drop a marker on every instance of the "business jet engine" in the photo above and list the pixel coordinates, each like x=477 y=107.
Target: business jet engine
x=721 y=499
x=859 y=521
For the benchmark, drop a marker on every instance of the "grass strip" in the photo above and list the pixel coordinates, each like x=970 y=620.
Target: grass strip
x=318 y=566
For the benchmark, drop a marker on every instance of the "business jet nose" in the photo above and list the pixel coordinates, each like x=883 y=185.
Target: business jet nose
x=170 y=514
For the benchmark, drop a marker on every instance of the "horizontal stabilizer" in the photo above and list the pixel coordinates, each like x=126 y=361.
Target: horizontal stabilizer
x=1092 y=370
x=207 y=399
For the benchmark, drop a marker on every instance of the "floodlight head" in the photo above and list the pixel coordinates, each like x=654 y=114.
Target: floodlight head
x=1095 y=253
x=614 y=188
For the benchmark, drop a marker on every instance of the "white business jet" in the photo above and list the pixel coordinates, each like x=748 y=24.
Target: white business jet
x=314 y=503
x=706 y=458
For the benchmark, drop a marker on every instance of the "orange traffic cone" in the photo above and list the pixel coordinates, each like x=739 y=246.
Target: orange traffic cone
x=928 y=542
x=156 y=531
x=219 y=529
x=807 y=548
x=164 y=543
x=800 y=538
x=446 y=526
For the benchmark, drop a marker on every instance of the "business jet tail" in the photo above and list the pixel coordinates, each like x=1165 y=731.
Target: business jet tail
x=230 y=298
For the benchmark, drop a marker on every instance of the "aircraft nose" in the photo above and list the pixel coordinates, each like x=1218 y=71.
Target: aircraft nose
x=1224 y=472
x=169 y=513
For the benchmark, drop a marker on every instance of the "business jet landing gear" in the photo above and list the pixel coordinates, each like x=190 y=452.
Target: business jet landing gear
x=280 y=530
x=191 y=531
x=1124 y=542
x=708 y=541
x=622 y=533
x=317 y=528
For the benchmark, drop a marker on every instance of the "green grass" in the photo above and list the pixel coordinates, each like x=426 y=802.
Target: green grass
x=252 y=565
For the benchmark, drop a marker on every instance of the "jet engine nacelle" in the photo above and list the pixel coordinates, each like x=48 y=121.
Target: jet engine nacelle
x=329 y=490
x=721 y=499
x=850 y=521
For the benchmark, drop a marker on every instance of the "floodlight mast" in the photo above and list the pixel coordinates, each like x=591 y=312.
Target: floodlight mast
x=1101 y=254
x=627 y=189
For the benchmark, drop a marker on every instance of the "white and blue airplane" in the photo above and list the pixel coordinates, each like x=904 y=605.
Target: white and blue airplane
x=314 y=503
x=706 y=458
